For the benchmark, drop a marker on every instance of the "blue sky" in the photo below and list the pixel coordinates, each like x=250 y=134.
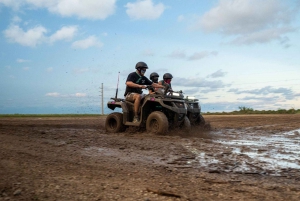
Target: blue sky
x=54 y=54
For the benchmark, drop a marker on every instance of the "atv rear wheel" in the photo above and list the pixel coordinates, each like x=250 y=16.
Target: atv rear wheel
x=200 y=121
x=157 y=123
x=114 y=123
x=186 y=125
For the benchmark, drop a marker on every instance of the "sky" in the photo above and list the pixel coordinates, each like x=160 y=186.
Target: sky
x=56 y=54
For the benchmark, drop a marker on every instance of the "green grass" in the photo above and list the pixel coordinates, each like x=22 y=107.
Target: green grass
x=246 y=110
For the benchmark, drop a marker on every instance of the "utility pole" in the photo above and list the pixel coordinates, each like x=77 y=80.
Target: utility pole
x=102 y=109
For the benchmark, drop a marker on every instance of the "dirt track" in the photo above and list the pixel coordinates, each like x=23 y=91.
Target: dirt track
x=254 y=157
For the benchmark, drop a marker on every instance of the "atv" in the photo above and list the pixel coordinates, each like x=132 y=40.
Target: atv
x=194 y=111
x=159 y=112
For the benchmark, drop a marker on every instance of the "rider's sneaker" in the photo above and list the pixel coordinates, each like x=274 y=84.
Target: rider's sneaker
x=136 y=119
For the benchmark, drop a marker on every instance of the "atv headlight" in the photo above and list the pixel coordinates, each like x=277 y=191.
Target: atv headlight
x=180 y=105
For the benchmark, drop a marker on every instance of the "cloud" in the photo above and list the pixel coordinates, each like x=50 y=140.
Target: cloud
x=201 y=82
x=31 y=37
x=80 y=70
x=65 y=33
x=261 y=98
x=177 y=54
x=264 y=36
x=218 y=73
x=180 y=18
x=14 y=4
x=250 y=20
x=55 y=94
x=199 y=55
x=287 y=93
x=26 y=68
x=180 y=54
x=22 y=60
x=144 y=9
x=37 y=35
x=80 y=94
x=88 y=9
x=49 y=70
x=91 y=41
x=147 y=52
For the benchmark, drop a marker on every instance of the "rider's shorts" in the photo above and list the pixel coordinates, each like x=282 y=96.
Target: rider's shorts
x=129 y=97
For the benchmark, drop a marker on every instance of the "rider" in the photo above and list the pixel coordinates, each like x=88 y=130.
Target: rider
x=154 y=78
x=136 y=81
x=167 y=78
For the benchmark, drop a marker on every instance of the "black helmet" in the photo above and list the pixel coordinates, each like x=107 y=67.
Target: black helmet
x=152 y=75
x=141 y=65
x=167 y=76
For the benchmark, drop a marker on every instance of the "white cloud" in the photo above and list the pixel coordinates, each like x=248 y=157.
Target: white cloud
x=65 y=33
x=144 y=9
x=252 y=20
x=50 y=69
x=16 y=19
x=89 y=9
x=180 y=18
x=91 y=41
x=26 y=68
x=286 y=92
x=80 y=70
x=22 y=60
x=15 y=4
x=202 y=82
x=30 y=38
x=80 y=94
x=147 y=52
x=264 y=36
x=37 y=35
x=53 y=94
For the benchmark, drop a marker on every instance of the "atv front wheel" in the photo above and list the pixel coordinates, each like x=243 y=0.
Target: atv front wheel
x=114 y=123
x=157 y=123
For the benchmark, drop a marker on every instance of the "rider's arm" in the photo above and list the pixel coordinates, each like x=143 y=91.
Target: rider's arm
x=134 y=85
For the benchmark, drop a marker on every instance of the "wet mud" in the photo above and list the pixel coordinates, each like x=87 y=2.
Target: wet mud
x=247 y=157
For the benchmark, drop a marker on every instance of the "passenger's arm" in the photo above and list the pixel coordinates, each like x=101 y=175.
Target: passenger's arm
x=156 y=85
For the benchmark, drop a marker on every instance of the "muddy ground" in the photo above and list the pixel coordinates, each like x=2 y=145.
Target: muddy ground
x=250 y=157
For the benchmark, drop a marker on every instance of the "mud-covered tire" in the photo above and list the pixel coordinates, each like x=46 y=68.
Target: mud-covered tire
x=200 y=121
x=157 y=123
x=114 y=123
x=186 y=124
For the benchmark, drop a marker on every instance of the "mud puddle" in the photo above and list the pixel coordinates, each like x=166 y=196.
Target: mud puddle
x=250 y=153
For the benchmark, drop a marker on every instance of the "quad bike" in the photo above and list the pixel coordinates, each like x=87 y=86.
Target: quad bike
x=194 y=111
x=159 y=112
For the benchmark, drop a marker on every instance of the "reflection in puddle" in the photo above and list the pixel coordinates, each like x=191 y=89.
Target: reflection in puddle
x=254 y=153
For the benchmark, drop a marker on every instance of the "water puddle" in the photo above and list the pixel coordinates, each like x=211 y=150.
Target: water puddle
x=272 y=154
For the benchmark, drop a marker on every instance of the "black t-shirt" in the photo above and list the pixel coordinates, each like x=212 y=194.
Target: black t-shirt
x=137 y=79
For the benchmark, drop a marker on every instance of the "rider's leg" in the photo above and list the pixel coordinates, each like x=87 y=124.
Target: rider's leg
x=137 y=101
